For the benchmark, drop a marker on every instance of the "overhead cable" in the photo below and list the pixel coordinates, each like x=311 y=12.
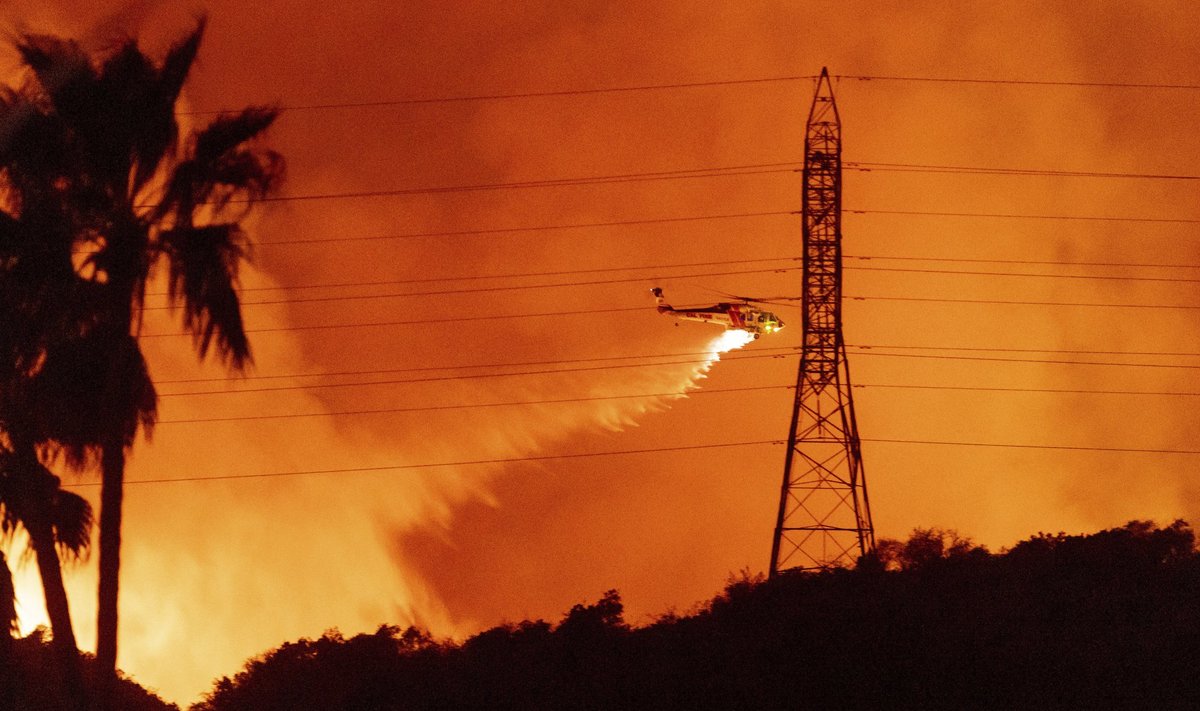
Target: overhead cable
x=626 y=452
x=499 y=96
x=1022 y=82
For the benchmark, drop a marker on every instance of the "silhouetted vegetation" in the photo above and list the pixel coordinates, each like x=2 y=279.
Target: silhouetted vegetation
x=55 y=521
x=1108 y=620
x=98 y=189
x=25 y=684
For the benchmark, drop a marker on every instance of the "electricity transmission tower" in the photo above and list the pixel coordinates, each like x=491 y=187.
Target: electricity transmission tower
x=824 y=516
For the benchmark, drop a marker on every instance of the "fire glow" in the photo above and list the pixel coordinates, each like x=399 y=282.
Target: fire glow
x=217 y=571
x=379 y=583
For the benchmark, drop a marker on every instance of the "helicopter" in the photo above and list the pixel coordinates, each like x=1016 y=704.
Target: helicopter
x=741 y=316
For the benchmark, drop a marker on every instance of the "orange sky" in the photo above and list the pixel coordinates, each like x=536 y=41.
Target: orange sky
x=219 y=571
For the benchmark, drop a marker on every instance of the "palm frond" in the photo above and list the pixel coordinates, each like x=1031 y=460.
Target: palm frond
x=139 y=126
x=34 y=153
x=228 y=132
x=179 y=60
x=72 y=521
x=221 y=165
x=158 y=136
x=64 y=71
x=124 y=258
x=203 y=265
x=88 y=388
x=28 y=489
x=16 y=113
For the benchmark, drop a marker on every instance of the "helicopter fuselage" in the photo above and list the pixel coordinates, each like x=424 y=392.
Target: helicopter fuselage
x=741 y=316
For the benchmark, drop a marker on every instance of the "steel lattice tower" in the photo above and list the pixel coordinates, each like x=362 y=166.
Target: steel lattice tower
x=824 y=516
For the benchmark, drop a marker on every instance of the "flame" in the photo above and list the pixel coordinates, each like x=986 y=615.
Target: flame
x=194 y=580
x=430 y=501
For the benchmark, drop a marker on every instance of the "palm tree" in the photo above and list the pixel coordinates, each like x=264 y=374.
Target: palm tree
x=46 y=325
x=8 y=605
x=40 y=326
x=8 y=626
x=57 y=523
x=135 y=197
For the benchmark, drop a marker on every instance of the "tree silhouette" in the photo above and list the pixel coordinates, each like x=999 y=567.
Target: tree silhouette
x=56 y=521
x=1106 y=620
x=46 y=327
x=8 y=625
x=133 y=196
x=8 y=605
x=924 y=547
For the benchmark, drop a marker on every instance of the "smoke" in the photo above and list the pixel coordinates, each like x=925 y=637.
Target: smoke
x=284 y=553
x=217 y=571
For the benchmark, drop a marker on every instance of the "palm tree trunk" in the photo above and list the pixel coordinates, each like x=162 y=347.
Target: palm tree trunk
x=111 y=495
x=8 y=620
x=41 y=537
x=38 y=490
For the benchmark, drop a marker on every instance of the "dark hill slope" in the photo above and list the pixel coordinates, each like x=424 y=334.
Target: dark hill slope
x=1109 y=620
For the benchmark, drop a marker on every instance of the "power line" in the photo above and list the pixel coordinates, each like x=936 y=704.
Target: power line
x=551 y=183
x=518 y=95
x=781 y=353
x=469 y=406
x=730 y=216
x=1040 y=262
x=872 y=353
x=998 y=215
x=1006 y=302
x=727 y=171
x=907 y=386
x=691 y=174
x=1021 y=82
x=651 y=450
x=1061 y=391
x=522 y=275
x=758 y=353
x=418 y=322
x=1001 y=302
x=389 y=371
x=534 y=228
x=637 y=396
x=521 y=287
x=679 y=174
x=503 y=96
x=963 y=272
x=443 y=378
x=630 y=268
x=745 y=215
x=431 y=408
x=1015 y=445
x=433 y=465
x=587 y=312
x=869 y=167
x=1009 y=349
x=488 y=289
